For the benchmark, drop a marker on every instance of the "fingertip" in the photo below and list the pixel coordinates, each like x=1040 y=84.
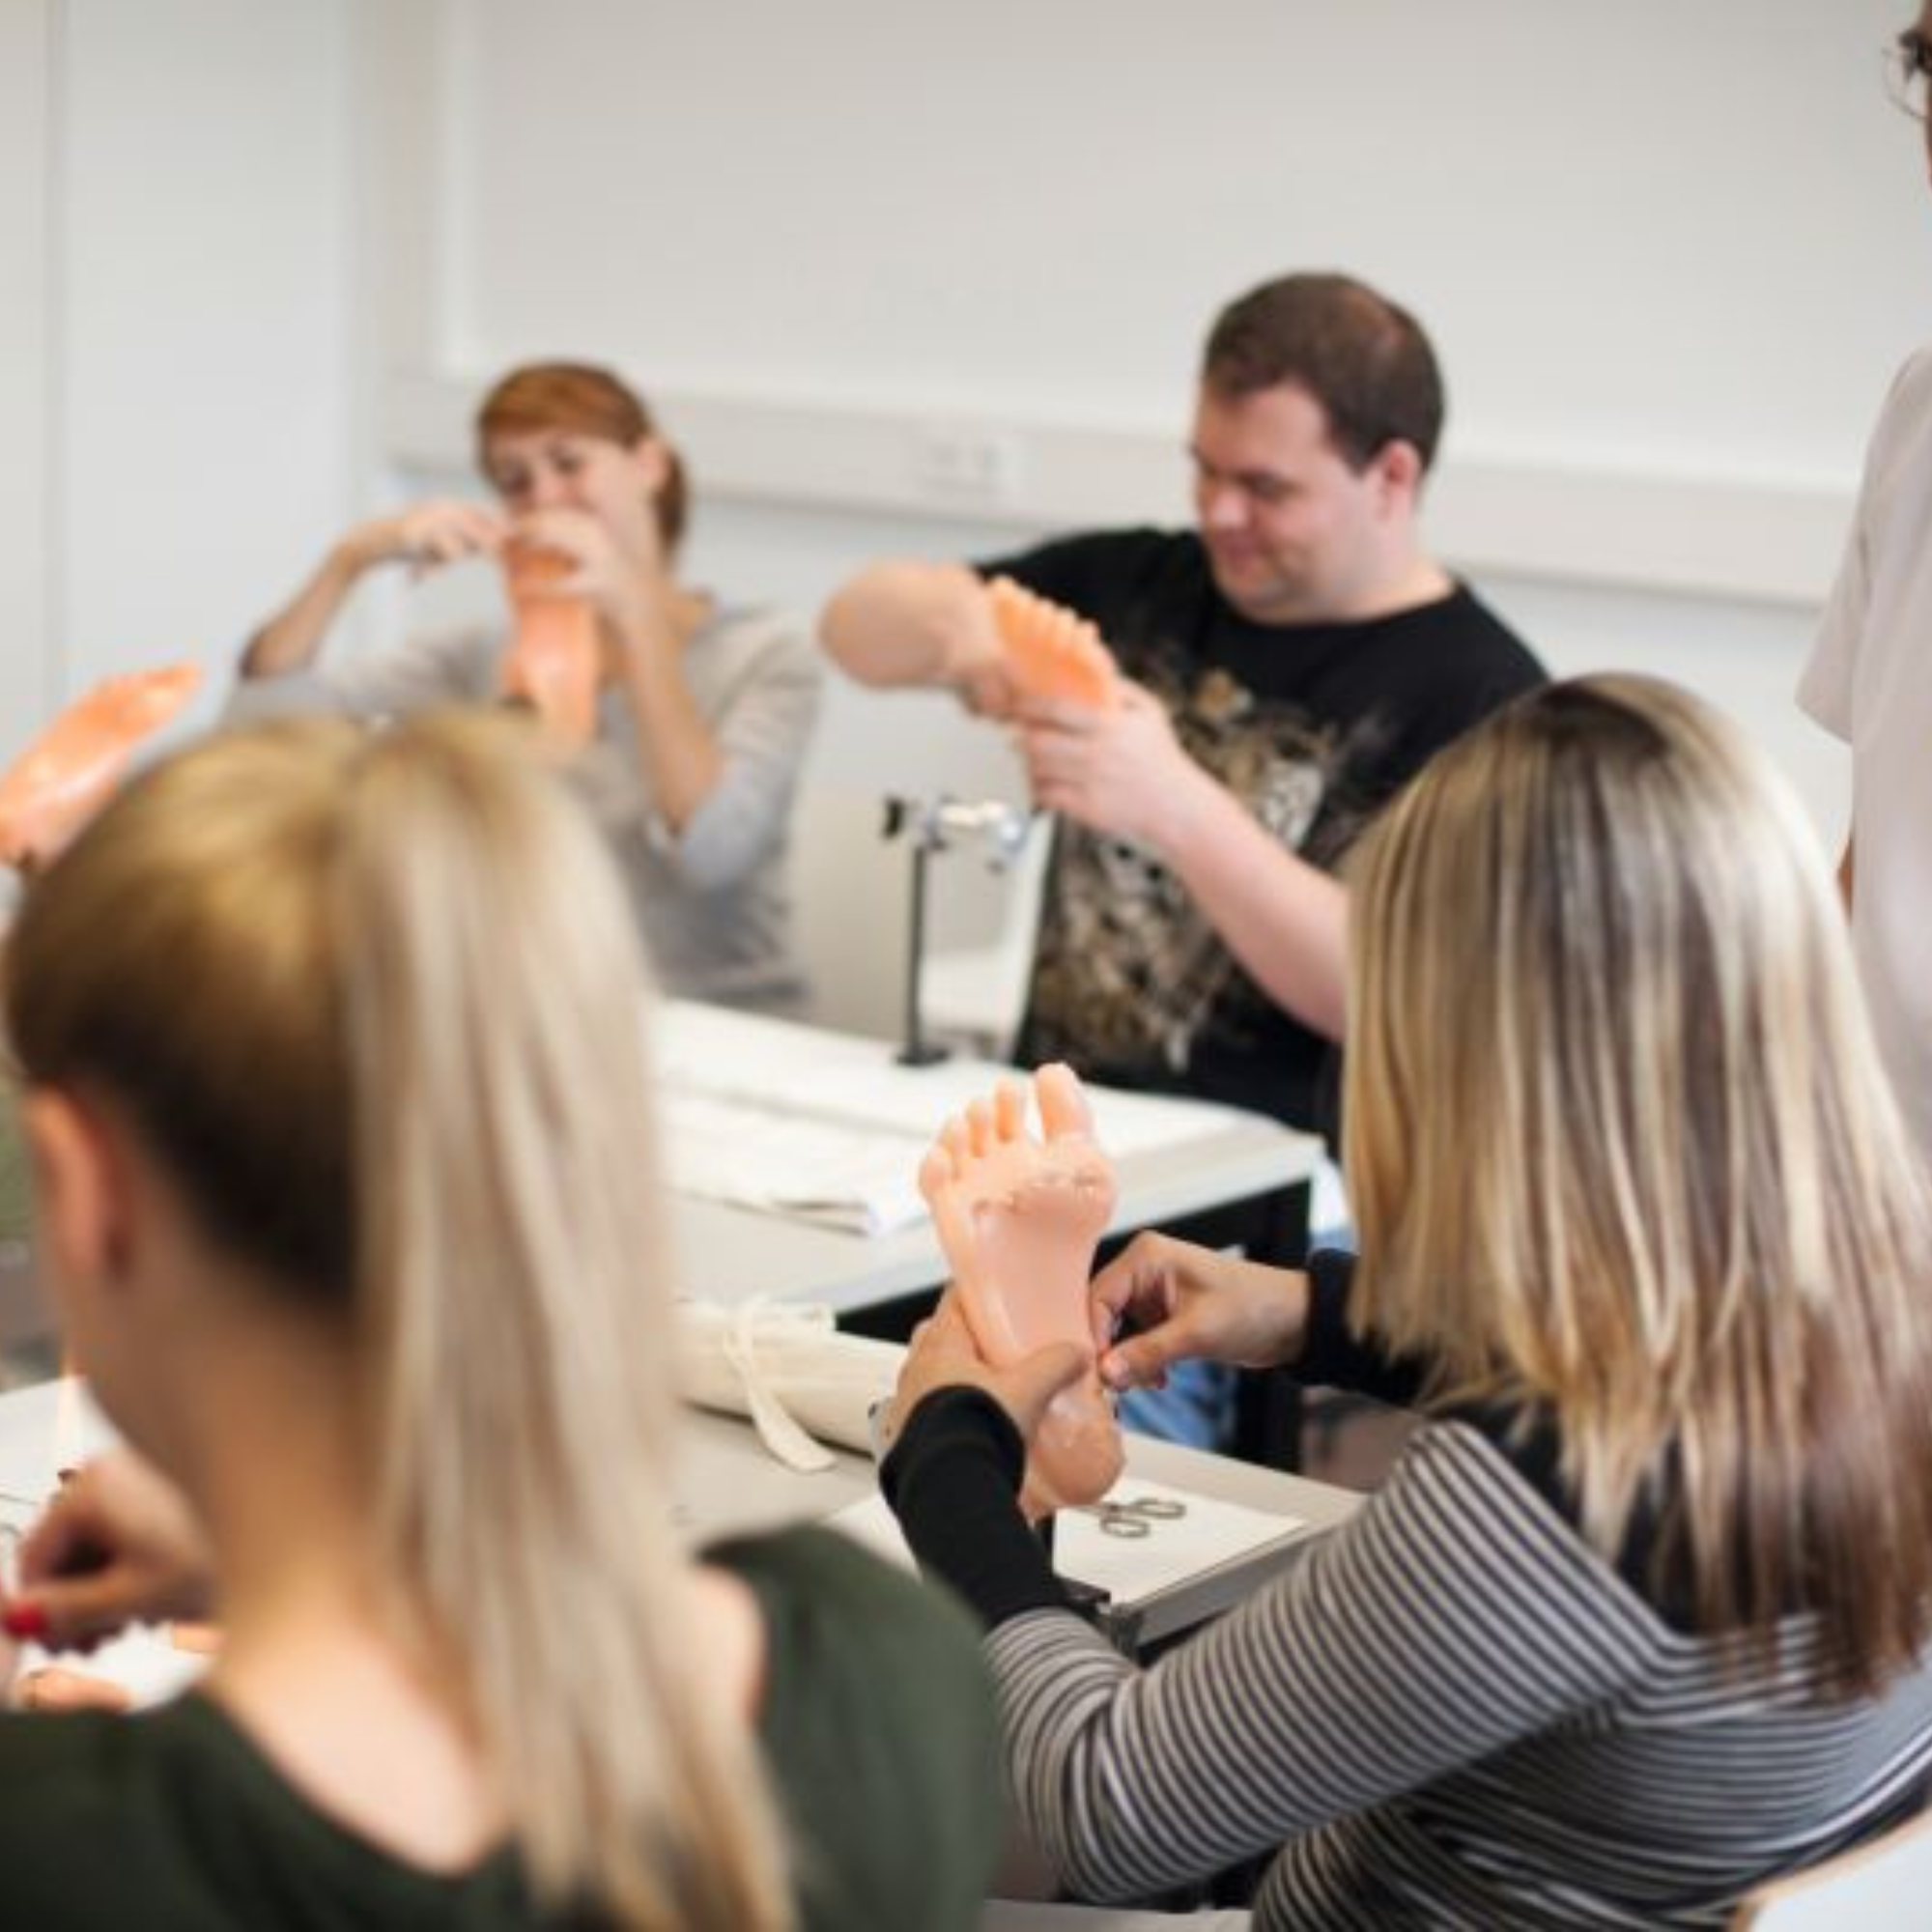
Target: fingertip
x=25 y=1621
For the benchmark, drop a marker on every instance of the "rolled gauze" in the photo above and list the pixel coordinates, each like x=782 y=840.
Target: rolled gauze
x=786 y=1366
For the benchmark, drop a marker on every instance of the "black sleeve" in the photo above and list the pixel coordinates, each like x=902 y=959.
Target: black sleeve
x=952 y=1480
x=1333 y=1358
x=1095 y=574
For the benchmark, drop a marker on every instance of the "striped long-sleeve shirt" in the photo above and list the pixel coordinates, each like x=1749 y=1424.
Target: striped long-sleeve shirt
x=1452 y=1710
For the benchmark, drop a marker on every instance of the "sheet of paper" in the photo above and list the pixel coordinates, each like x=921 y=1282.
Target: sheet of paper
x=829 y=1128
x=1211 y=1534
x=814 y=1169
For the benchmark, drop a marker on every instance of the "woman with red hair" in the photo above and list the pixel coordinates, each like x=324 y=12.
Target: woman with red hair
x=686 y=719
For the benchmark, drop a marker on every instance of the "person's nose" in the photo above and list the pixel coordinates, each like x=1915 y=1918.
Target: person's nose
x=549 y=490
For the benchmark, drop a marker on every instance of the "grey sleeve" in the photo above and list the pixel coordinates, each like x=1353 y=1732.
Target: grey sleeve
x=447 y=668
x=762 y=711
x=1455 y=1613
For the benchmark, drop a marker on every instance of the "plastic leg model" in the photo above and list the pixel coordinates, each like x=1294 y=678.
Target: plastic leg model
x=555 y=660
x=67 y=774
x=1050 y=651
x=1018 y=1218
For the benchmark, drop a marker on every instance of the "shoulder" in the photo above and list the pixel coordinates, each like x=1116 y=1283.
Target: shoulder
x=820 y=1589
x=771 y=643
x=1903 y=437
x=80 y=1784
x=849 y=1639
x=1475 y=640
x=1439 y=667
x=1481 y=1498
x=878 y=1722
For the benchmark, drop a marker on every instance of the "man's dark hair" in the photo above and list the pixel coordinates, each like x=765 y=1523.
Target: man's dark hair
x=1362 y=358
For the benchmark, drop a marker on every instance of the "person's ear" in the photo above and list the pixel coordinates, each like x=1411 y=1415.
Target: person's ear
x=652 y=455
x=79 y=1186
x=1397 y=467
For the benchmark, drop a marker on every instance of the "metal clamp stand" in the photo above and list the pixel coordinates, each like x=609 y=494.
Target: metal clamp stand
x=934 y=826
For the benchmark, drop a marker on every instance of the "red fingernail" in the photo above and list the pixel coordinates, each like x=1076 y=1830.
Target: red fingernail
x=26 y=1621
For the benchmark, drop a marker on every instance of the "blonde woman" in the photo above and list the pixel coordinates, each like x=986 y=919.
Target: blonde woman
x=336 y=1085
x=1641 y=1617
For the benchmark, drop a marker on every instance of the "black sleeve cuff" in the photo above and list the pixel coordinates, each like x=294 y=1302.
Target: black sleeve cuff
x=1333 y=1358
x=952 y=1480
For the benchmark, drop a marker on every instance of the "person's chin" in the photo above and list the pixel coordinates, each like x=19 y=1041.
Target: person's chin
x=1249 y=585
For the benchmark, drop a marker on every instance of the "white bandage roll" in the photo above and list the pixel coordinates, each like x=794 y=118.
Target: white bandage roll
x=787 y=1367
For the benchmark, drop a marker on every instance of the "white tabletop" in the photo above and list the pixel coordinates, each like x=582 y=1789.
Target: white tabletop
x=725 y=1483
x=1209 y=1157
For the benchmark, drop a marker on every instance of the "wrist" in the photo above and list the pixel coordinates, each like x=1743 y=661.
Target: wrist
x=1185 y=813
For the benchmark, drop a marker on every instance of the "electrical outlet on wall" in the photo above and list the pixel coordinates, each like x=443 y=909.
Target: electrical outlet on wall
x=966 y=461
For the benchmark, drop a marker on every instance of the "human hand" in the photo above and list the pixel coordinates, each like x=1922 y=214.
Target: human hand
x=621 y=573
x=426 y=536
x=1180 y=1301
x=1118 y=769
x=118 y=1545
x=942 y=1353
x=53 y=1688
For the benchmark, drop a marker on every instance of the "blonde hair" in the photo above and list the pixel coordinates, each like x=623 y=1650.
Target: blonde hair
x=377 y=1004
x=1622 y=1152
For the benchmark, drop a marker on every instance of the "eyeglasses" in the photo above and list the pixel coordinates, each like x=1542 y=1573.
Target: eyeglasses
x=1908 y=71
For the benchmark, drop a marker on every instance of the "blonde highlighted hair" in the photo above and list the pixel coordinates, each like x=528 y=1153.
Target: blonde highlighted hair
x=1622 y=1152
x=376 y=1002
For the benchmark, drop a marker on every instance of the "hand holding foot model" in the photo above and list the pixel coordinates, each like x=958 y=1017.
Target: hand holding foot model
x=66 y=775
x=1049 y=650
x=1018 y=1218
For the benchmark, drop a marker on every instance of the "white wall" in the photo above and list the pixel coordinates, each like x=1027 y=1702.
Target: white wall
x=259 y=251
x=176 y=184
x=1670 y=259
x=27 y=667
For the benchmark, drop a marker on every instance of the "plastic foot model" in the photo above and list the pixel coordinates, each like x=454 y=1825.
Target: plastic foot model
x=1018 y=1218
x=1051 y=652
x=555 y=660
x=67 y=774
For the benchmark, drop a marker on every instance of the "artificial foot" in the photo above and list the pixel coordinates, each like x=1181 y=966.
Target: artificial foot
x=554 y=663
x=1018 y=1218
x=1050 y=651
x=67 y=774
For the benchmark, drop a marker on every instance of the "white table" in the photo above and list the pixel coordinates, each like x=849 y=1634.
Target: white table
x=726 y=1485
x=1218 y=1156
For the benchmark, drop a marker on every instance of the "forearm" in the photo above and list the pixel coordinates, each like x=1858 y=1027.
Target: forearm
x=1285 y=920
x=910 y=624
x=677 y=747
x=952 y=1480
x=290 y=640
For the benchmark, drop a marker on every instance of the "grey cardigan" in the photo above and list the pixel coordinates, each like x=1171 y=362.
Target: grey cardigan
x=712 y=900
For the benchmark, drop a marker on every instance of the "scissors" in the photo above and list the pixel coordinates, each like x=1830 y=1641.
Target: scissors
x=1136 y=1517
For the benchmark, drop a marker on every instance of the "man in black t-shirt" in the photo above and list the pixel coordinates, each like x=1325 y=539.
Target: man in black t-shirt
x=1292 y=661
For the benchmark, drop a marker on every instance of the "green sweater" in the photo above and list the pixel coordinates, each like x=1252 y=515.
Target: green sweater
x=877 y=1722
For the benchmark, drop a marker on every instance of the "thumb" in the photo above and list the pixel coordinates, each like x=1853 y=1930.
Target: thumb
x=1141 y=1361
